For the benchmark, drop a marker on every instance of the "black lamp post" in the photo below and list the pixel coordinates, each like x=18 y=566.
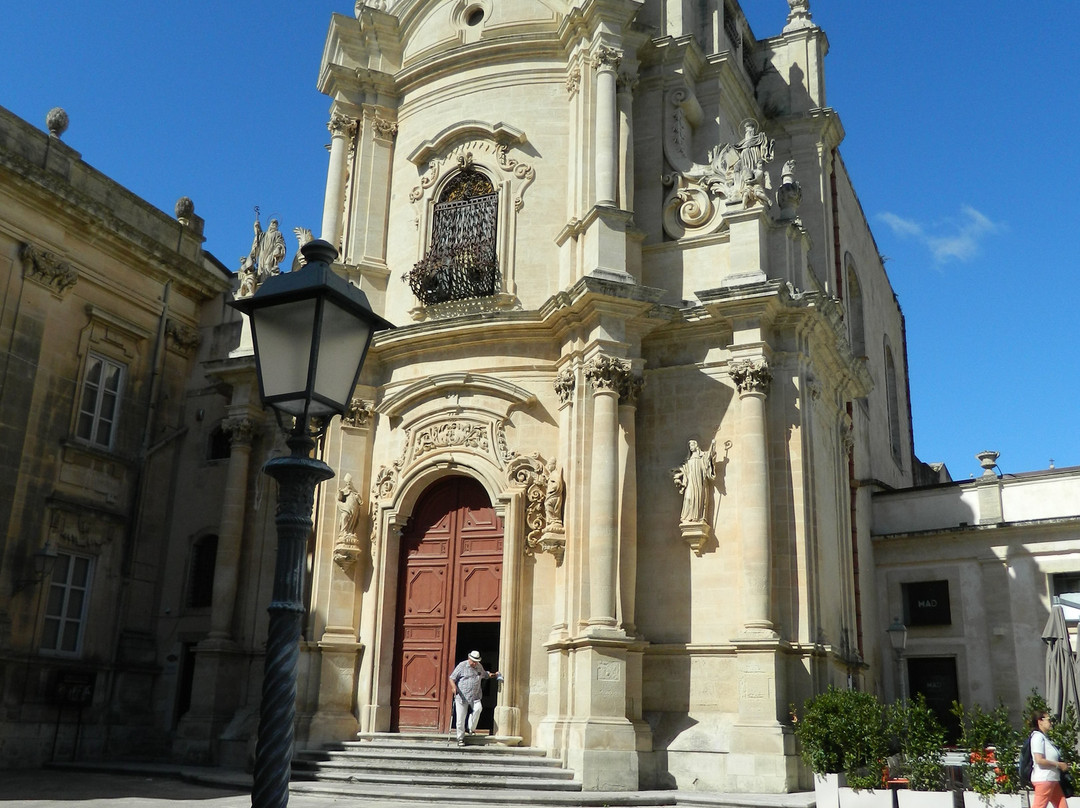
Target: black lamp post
x=311 y=331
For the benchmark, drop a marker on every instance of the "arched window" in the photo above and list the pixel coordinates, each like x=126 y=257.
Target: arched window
x=201 y=577
x=854 y=308
x=892 y=394
x=461 y=260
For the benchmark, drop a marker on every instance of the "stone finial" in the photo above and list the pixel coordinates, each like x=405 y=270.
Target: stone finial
x=57 y=121
x=789 y=195
x=988 y=461
x=799 y=16
x=184 y=208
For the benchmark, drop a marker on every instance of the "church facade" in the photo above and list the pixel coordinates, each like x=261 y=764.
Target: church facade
x=647 y=376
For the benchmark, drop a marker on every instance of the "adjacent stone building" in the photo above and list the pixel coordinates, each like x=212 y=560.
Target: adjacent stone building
x=647 y=376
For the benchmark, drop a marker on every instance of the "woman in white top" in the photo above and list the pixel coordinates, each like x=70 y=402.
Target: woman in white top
x=1046 y=773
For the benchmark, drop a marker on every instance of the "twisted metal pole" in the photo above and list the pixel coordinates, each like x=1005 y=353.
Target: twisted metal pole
x=296 y=475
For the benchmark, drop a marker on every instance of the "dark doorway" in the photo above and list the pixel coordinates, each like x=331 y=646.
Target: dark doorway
x=482 y=637
x=935 y=678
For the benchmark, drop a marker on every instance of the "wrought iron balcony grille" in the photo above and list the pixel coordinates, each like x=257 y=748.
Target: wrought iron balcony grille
x=461 y=261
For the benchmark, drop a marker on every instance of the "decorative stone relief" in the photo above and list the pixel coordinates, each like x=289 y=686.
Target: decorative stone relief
x=544 y=495
x=46 y=269
x=607 y=373
x=751 y=377
x=358 y=414
x=503 y=167
x=81 y=529
x=449 y=434
x=348 y=547
x=564 y=385
x=573 y=82
x=383 y=128
x=342 y=126
x=181 y=338
x=733 y=178
x=240 y=429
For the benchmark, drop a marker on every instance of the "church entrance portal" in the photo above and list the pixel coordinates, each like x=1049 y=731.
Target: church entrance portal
x=449 y=593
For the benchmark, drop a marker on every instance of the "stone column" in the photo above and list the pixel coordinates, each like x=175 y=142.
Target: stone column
x=752 y=380
x=342 y=130
x=607 y=127
x=606 y=374
x=625 y=103
x=564 y=383
x=240 y=425
x=628 y=398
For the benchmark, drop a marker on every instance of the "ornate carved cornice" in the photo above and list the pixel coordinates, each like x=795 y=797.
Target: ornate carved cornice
x=607 y=373
x=751 y=377
x=46 y=269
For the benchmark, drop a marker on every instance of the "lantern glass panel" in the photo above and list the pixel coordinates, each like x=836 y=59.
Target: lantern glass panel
x=283 y=336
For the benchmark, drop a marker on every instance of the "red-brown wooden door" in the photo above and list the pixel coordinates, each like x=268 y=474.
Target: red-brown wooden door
x=450 y=575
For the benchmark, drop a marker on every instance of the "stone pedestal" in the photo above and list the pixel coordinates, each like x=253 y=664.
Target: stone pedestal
x=215 y=693
x=334 y=720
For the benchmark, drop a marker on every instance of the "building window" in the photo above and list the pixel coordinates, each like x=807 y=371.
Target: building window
x=926 y=603
x=65 y=611
x=100 y=402
x=1065 y=588
x=201 y=580
x=892 y=394
x=461 y=260
x=219 y=445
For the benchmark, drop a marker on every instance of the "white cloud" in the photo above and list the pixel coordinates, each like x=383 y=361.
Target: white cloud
x=958 y=238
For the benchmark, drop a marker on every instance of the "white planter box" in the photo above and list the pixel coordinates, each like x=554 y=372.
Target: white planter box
x=878 y=798
x=826 y=789
x=973 y=800
x=905 y=798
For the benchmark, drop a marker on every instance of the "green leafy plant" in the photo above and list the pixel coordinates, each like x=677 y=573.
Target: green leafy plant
x=993 y=745
x=844 y=731
x=920 y=737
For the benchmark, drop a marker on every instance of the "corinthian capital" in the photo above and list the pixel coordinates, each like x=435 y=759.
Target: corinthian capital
x=607 y=58
x=751 y=377
x=240 y=429
x=564 y=385
x=607 y=373
x=341 y=125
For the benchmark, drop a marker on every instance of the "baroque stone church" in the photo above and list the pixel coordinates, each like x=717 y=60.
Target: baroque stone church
x=647 y=373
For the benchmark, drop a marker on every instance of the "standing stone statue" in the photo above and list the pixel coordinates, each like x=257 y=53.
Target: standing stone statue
x=694 y=480
x=754 y=150
x=554 y=494
x=268 y=249
x=348 y=508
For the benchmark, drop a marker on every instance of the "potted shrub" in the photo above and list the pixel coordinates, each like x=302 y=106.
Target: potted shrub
x=842 y=740
x=992 y=746
x=920 y=739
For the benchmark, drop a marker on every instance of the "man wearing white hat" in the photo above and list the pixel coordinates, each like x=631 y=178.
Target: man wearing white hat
x=466 y=680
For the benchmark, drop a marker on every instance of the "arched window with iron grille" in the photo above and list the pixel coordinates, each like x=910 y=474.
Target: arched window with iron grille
x=461 y=260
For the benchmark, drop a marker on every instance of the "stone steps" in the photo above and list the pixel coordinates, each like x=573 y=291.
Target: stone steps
x=382 y=764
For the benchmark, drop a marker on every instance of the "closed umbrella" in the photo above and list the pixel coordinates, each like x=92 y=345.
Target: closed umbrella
x=1061 y=674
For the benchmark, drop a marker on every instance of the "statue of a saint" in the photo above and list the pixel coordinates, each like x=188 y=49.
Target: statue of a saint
x=554 y=493
x=755 y=149
x=694 y=480
x=348 y=508
x=268 y=249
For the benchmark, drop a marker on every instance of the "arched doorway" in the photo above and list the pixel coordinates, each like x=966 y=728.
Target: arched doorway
x=449 y=594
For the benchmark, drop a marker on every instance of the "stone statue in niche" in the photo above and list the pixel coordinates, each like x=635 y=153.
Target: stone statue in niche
x=694 y=479
x=554 y=496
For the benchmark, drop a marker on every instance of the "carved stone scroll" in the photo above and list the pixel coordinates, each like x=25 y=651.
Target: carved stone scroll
x=534 y=475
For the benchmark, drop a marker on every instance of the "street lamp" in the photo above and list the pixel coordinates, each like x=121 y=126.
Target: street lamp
x=311 y=332
x=898 y=637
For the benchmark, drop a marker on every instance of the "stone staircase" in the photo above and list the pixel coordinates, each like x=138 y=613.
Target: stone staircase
x=409 y=769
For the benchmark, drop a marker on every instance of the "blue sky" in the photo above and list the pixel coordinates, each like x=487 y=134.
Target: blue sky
x=961 y=119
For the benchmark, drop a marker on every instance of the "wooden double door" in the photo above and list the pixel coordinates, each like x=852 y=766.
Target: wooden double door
x=449 y=593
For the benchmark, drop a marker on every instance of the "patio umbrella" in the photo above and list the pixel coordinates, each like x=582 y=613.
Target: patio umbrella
x=1061 y=674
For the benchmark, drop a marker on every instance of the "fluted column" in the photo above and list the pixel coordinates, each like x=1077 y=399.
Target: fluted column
x=240 y=426
x=752 y=380
x=607 y=128
x=342 y=130
x=606 y=374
